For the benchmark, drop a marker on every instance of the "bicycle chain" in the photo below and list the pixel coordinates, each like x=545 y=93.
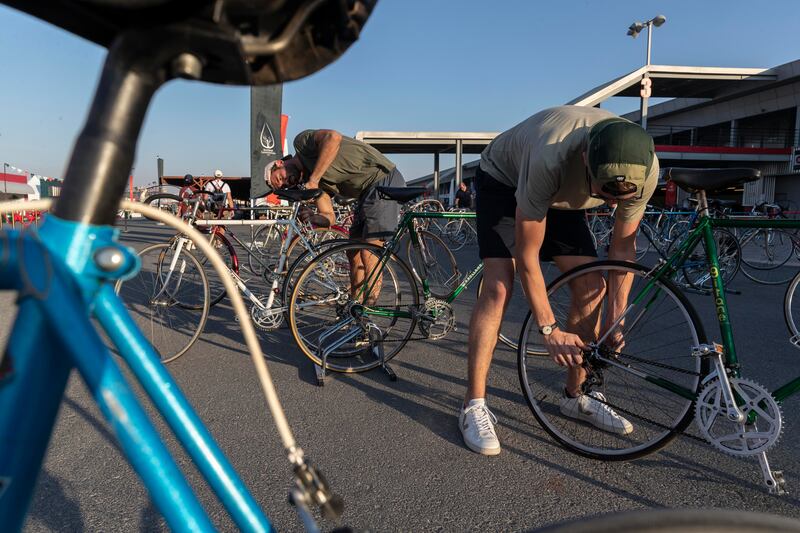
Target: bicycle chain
x=653 y=363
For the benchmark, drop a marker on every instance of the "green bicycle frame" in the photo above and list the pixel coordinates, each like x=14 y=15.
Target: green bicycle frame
x=407 y=226
x=704 y=231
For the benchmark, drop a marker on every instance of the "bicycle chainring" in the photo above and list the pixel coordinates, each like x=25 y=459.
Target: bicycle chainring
x=436 y=319
x=763 y=420
x=267 y=319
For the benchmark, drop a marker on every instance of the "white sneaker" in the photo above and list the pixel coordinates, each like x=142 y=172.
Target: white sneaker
x=593 y=408
x=476 y=423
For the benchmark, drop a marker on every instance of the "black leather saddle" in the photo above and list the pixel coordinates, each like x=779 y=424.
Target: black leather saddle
x=710 y=179
x=298 y=195
x=401 y=194
x=242 y=42
x=341 y=200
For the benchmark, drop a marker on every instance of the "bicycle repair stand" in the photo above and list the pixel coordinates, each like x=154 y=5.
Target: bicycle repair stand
x=376 y=347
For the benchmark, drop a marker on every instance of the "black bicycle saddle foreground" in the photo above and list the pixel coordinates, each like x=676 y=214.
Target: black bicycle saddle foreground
x=242 y=42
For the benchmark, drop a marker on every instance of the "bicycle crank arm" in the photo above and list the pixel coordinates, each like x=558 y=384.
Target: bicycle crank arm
x=773 y=479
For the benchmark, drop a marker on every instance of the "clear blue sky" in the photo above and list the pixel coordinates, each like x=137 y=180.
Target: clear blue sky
x=443 y=65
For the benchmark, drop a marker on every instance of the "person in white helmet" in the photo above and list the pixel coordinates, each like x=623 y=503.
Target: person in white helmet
x=220 y=190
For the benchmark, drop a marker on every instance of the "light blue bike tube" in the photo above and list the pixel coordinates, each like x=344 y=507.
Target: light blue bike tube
x=143 y=361
x=30 y=396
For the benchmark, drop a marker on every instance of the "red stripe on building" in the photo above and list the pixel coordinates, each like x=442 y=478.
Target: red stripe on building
x=13 y=178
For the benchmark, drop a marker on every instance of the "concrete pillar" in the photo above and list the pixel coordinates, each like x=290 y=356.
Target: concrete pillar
x=436 y=175
x=733 y=141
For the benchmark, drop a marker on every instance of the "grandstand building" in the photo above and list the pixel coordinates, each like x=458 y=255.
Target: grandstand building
x=704 y=117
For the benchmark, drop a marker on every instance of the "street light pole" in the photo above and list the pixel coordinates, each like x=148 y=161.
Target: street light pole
x=645 y=91
x=5 y=178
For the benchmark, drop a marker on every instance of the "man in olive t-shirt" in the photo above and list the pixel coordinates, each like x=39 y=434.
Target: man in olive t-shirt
x=337 y=164
x=533 y=185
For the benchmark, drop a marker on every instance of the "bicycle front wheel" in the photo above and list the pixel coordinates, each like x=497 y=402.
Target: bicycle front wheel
x=324 y=316
x=168 y=299
x=659 y=329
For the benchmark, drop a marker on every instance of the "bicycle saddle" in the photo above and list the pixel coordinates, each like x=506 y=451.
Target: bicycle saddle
x=242 y=42
x=298 y=195
x=341 y=200
x=710 y=179
x=401 y=194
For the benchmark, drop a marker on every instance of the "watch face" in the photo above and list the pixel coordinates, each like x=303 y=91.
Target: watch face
x=546 y=330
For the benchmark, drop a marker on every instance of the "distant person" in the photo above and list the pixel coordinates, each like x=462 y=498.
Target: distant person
x=222 y=191
x=463 y=197
x=337 y=164
x=533 y=185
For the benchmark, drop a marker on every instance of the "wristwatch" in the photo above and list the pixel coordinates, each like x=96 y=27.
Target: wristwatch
x=547 y=330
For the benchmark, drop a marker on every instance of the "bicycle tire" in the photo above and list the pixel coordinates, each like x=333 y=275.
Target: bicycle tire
x=266 y=245
x=166 y=201
x=456 y=234
x=330 y=310
x=765 y=262
x=315 y=236
x=171 y=326
x=228 y=254
x=301 y=262
x=436 y=260
x=788 y=302
x=542 y=381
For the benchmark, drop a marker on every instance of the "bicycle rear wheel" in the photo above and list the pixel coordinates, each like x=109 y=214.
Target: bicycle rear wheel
x=169 y=303
x=324 y=315
x=166 y=202
x=435 y=261
x=659 y=331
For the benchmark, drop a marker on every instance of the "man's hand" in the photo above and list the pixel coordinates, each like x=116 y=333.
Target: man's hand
x=565 y=348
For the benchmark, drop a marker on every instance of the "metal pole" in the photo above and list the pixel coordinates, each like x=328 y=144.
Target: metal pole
x=436 y=175
x=644 y=99
x=457 y=183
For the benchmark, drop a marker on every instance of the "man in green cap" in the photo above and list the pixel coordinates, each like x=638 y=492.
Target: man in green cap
x=533 y=185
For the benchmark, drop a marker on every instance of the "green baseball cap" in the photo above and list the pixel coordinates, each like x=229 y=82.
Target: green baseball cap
x=619 y=153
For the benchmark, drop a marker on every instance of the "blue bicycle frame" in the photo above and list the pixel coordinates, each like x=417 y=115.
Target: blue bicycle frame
x=63 y=276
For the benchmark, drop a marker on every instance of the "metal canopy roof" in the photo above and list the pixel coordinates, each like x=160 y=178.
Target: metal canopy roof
x=12 y=187
x=426 y=142
x=679 y=82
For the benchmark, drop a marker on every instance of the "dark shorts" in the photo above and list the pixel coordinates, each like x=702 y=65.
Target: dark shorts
x=567 y=232
x=375 y=217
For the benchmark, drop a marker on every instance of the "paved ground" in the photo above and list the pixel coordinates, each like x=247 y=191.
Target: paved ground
x=393 y=450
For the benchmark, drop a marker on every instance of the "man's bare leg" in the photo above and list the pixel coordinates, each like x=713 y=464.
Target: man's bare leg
x=585 y=310
x=361 y=264
x=484 y=324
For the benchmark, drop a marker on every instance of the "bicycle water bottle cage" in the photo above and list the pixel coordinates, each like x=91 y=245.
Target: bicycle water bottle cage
x=710 y=179
x=298 y=195
x=401 y=194
x=237 y=41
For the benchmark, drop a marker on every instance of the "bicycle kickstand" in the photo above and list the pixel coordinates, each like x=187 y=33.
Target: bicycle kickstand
x=773 y=479
x=376 y=342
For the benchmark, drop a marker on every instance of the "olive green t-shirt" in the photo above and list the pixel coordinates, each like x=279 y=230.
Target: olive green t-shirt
x=542 y=158
x=355 y=169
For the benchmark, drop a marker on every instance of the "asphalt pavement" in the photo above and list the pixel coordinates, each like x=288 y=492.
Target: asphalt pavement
x=393 y=450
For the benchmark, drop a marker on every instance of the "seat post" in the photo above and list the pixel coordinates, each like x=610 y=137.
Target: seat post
x=138 y=63
x=702 y=203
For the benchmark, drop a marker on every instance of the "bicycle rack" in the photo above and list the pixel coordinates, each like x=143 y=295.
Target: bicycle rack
x=375 y=338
